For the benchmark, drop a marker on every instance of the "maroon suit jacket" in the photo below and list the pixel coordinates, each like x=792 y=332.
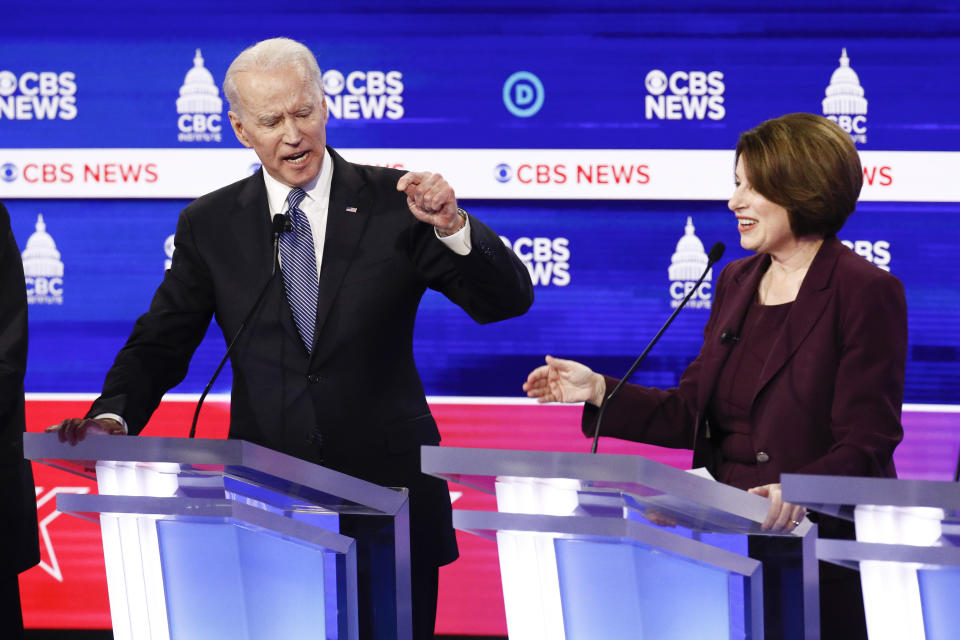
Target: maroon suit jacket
x=828 y=399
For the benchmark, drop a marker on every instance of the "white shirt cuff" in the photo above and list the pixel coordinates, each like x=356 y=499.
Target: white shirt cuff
x=458 y=242
x=114 y=416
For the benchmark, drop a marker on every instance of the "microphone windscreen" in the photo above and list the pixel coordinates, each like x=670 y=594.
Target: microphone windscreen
x=279 y=224
x=716 y=252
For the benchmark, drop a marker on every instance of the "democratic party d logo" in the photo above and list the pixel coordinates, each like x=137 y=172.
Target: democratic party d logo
x=523 y=94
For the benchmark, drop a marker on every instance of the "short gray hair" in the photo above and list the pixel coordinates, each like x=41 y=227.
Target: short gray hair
x=270 y=55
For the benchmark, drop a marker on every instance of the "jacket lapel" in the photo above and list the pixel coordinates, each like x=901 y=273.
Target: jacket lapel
x=347 y=217
x=253 y=229
x=807 y=308
x=739 y=296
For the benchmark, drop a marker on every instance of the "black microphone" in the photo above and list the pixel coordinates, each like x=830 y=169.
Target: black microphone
x=716 y=252
x=281 y=223
x=729 y=336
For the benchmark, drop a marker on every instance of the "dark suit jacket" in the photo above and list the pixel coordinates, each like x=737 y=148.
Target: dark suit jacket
x=19 y=548
x=356 y=404
x=828 y=399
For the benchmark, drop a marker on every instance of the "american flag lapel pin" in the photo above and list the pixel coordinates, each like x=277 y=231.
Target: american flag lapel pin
x=351 y=209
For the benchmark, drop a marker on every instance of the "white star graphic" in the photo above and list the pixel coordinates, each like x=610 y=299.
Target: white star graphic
x=52 y=567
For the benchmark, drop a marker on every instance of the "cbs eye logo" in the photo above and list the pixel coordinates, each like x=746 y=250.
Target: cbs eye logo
x=523 y=94
x=333 y=82
x=8 y=172
x=656 y=82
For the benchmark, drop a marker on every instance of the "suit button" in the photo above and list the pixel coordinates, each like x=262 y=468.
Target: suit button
x=762 y=457
x=313 y=378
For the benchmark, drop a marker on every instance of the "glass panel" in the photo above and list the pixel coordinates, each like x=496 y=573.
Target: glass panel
x=223 y=580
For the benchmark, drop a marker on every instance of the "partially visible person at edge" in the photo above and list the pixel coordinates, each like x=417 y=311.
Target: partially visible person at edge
x=814 y=381
x=328 y=376
x=19 y=546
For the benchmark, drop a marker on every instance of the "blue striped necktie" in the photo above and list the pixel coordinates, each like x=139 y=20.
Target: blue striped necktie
x=299 y=269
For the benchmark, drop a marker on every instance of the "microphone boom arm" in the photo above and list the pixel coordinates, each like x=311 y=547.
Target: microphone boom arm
x=716 y=252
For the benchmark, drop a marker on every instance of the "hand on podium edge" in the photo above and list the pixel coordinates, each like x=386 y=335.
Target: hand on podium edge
x=658 y=518
x=73 y=430
x=783 y=516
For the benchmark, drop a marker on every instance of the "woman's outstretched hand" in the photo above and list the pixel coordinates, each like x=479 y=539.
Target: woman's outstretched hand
x=565 y=381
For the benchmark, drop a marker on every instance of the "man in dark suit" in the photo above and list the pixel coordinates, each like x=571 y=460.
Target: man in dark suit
x=324 y=369
x=18 y=506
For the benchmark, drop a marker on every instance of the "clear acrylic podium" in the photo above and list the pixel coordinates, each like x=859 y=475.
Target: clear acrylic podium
x=225 y=539
x=907 y=549
x=615 y=546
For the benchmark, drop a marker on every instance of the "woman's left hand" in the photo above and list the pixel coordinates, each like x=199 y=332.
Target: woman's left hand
x=783 y=516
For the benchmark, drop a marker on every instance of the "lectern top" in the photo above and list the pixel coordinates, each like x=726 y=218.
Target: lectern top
x=603 y=481
x=197 y=461
x=839 y=495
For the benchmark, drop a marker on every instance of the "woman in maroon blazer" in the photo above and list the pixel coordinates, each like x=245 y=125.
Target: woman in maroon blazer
x=802 y=366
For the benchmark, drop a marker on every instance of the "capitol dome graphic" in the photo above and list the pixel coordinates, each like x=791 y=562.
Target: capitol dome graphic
x=199 y=93
x=42 y=267
x=844 y=93
x=689 y=260
x=41 y=258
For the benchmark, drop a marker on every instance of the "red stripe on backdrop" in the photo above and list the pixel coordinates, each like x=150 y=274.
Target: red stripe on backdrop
x=69 y=590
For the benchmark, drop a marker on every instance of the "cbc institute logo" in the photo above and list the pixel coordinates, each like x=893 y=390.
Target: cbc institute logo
x=199 y=106
x=845 y=103
x=42 y=267
x=687 y=263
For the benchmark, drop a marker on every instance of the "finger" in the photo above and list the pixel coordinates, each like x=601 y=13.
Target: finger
x=773 y=515
x=797 y=515
x=543 y=396
x=535 y=386
x=438 y=196
x=536 y=375
x=536 y=389
x=559 y=364
x=66 y=429
x=410 y=178
x=784 y=520
x=542 y=392
x=79 y=431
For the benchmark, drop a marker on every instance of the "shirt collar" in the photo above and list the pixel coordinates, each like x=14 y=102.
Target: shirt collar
x=317 y=189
